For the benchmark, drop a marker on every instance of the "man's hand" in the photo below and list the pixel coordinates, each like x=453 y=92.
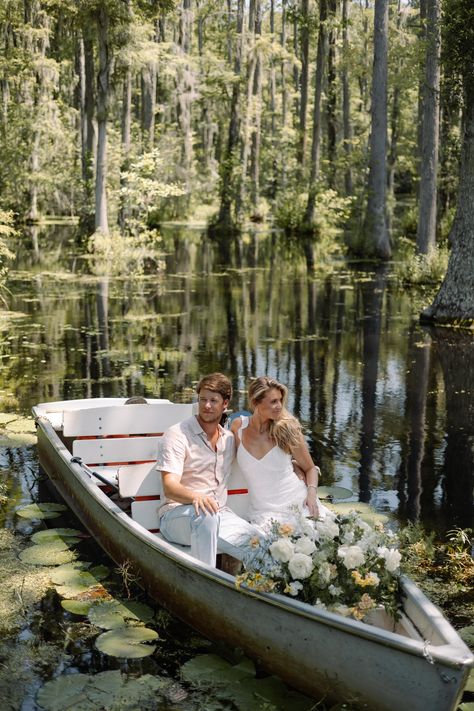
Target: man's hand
x=206 y=504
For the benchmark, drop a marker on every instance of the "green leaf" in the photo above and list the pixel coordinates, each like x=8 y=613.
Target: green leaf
x=22 y=425
x=76 y=607
x=56 y=533
x=113 y=613
x=215 y=671
x=47 y=554
x=467 y=635
x=41 y=511
x=106 y=690
x=127 y=642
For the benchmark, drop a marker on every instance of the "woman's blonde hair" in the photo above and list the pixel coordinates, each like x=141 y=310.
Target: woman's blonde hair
x=286 y=431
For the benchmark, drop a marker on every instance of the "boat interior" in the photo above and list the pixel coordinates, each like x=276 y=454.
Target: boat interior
x=117 y=445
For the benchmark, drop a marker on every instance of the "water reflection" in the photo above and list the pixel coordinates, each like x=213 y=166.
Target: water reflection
x=387 y=406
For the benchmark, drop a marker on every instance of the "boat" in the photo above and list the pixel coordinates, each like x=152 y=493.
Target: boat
x=99 y=454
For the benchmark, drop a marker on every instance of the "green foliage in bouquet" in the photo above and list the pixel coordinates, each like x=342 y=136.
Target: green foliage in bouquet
x=339 y=563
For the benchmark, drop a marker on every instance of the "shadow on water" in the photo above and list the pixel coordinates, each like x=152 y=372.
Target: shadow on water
x=387 y=406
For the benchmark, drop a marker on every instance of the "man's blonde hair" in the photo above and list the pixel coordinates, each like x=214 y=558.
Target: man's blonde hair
x=286 y=431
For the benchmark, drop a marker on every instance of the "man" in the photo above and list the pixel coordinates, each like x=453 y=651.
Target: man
x=195 y=460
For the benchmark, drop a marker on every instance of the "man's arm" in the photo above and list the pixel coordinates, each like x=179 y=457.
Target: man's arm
x=173 y=489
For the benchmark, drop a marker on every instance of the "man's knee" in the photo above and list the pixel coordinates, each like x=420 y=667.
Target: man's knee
x=206 y=524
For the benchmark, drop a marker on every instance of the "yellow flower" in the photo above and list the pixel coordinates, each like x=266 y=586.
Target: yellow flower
x=286 y=529
x=254 y=542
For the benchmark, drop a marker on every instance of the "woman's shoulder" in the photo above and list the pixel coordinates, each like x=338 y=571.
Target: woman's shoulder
x=235 y=424
x=241 y=421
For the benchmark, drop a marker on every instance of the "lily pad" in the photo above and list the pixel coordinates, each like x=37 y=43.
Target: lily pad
x=41 y=511
x=113 y=613
x=74 y=582
x=467 y=634
x=470 y=682
x=334 y=492
x=50 y=534
x=252 y=693
x=127 y=642
x=365 y=511
x=54 y=553
x=63 y=692
x=17 y=439
x=67 y=574
x=6 y=417
x=110 y=689
x=209 y=669
x=22 y=424
x=237 y=683
x=77 y=607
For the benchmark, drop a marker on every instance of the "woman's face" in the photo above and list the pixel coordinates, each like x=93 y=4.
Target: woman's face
x=271 y=406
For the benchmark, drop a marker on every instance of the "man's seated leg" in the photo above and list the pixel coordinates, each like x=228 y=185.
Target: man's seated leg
x=181 y=525
x=234 y=533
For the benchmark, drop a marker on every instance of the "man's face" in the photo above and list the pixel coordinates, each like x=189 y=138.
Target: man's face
x=211 y=405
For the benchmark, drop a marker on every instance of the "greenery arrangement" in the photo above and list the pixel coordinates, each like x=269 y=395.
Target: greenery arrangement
x=339 y=563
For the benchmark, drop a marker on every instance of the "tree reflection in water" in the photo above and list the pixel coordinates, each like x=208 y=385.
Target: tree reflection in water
x=364 y=377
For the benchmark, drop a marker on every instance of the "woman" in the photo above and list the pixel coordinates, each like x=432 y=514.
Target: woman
x=267 y=442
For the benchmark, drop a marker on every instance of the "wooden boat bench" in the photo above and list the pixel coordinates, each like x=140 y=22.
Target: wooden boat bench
x=106 y=438
x=121 y=444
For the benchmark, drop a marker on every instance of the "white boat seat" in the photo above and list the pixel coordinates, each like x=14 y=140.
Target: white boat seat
x=125 y=419
x=116 y=451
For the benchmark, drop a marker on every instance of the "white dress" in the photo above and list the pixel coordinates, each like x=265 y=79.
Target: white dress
x=272 y=483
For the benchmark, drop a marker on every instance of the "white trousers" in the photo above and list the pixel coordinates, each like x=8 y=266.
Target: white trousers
x=223 y=531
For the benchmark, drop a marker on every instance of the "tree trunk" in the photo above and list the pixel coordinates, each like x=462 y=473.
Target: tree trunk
x=103 y=97
x=148 y=104
x=426 y=234
x=376 y=237
x=454 y=302
x=257 y=113
x=127 y=111
x=303 y=103
x=346 y=100
x=227 y=189
x=331 y=103
x=89 y=104
x=318 y=90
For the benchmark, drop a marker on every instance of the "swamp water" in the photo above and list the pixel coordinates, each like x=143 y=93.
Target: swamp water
x=387 y=407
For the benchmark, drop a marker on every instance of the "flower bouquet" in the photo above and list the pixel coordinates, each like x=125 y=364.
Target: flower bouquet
x=339 y=563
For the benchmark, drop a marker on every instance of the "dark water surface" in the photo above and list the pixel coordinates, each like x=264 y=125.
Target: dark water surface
x=387 y=405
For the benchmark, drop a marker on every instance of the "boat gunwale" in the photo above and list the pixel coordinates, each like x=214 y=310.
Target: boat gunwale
x=454 y=653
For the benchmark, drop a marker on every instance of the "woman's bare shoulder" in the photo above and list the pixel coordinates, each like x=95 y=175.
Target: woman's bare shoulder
x=235 y=424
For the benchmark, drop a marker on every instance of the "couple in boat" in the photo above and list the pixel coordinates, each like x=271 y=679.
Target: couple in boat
x=195 y=460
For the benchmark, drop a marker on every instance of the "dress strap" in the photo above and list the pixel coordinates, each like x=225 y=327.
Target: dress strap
x=244 y=421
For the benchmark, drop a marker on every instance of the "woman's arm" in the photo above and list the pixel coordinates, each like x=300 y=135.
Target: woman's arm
x=311 y=473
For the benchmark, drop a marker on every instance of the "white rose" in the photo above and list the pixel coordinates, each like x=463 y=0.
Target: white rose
x=328 y=528
x=300 y=566
x=305 y=545
x=282 y=550
x=391 y=556
x=352 y=556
